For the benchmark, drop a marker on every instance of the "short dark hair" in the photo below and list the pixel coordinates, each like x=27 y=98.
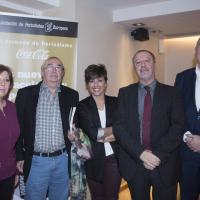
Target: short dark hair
x=154 y=59
x=4 y=68
x=95 y=71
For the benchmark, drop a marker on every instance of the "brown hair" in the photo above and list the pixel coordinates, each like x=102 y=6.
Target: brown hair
x=4 y=68
x=95 y=71
x=48 y=59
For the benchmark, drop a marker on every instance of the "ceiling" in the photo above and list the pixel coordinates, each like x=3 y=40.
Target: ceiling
x=175 y=18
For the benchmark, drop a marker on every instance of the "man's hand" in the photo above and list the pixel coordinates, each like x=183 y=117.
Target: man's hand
x=20 y=165
x=193 y=142
x=149 y=159
x=188 y=139
x=148 y=167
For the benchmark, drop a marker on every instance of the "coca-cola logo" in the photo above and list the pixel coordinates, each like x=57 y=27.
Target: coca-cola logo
x=39 y=54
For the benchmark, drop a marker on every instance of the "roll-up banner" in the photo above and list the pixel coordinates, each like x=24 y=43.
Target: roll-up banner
x=26 y=41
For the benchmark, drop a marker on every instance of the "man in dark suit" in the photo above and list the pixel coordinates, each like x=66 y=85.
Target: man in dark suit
x=188 y=82
x=149 y=126
x=43 y=150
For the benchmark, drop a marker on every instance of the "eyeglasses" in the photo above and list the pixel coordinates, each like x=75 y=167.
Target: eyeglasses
x=50 y=68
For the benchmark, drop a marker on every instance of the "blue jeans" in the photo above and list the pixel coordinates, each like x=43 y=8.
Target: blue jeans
x=47 y=172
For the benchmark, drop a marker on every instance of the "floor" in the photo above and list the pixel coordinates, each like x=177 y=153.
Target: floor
x=124 y=193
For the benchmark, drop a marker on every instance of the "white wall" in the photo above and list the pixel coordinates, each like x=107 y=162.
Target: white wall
x=65 y=11
x=179 y=56
x=102 y=41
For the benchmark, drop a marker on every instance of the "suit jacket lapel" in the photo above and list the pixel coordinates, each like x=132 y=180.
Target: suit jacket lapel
x=133 y=105
x=109 y=112
x=193 y=83
x=64 y=110
x=157 y=101
x=95 y=113
x=32 y=105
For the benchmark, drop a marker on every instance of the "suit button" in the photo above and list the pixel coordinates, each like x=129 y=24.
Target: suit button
x=30 y=157
x=138 y=134
x=32 y=144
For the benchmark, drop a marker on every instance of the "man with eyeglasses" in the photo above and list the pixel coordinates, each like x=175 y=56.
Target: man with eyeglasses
x=43 y=150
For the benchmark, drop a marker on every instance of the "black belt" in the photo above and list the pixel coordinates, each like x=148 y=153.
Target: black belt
x=52 y=154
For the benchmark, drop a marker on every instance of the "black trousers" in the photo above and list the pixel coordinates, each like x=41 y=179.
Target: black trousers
x=6 y=188
x=109 y=189
x=142 y=181
x=190 y=184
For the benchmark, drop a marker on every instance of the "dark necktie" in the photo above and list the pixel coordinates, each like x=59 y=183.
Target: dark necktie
x=146 y=120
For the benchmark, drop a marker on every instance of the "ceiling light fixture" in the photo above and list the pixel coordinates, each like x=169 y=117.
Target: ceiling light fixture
x=138 y=24
x=156 y=31
x=181 y=18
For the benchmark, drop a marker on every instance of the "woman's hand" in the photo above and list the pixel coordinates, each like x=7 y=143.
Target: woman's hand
x=20 y=165
x=16 y=180
x=70 y=135
x=110 y=138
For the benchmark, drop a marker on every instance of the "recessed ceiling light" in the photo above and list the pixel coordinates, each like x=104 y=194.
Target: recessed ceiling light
x=138 y=24
x=156 y=31
x=181 y=18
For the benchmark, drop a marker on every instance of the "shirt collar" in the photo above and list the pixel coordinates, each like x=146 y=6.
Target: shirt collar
x=151 y=85
x=197 y=71
x=44 y=87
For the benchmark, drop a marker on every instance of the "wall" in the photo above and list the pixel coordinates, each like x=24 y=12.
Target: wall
x=66 y=10
x=102 y=41
x=179 y=56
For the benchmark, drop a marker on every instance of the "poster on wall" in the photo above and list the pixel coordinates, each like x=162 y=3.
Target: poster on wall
x=25 y=42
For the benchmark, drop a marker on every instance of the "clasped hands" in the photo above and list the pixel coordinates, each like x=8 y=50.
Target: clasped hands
x=193 y=142
x=150 y=161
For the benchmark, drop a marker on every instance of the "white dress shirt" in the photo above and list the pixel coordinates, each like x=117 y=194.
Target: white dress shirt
x=197 y=96
x=107 y=146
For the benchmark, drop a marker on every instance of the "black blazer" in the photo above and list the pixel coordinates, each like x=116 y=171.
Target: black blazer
x=166 y=132
x=26 y=103
x=186 y=82
x=89 y=122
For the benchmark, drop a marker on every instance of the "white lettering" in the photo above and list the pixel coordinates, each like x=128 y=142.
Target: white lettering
x=16 y=85
x=26 y=74
x=21 y=85
x=39 y=75
x=27 y=84
x=11 y=96
x=20 y=75
x=29 y=74
x=39 y=54
x=33 y=75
